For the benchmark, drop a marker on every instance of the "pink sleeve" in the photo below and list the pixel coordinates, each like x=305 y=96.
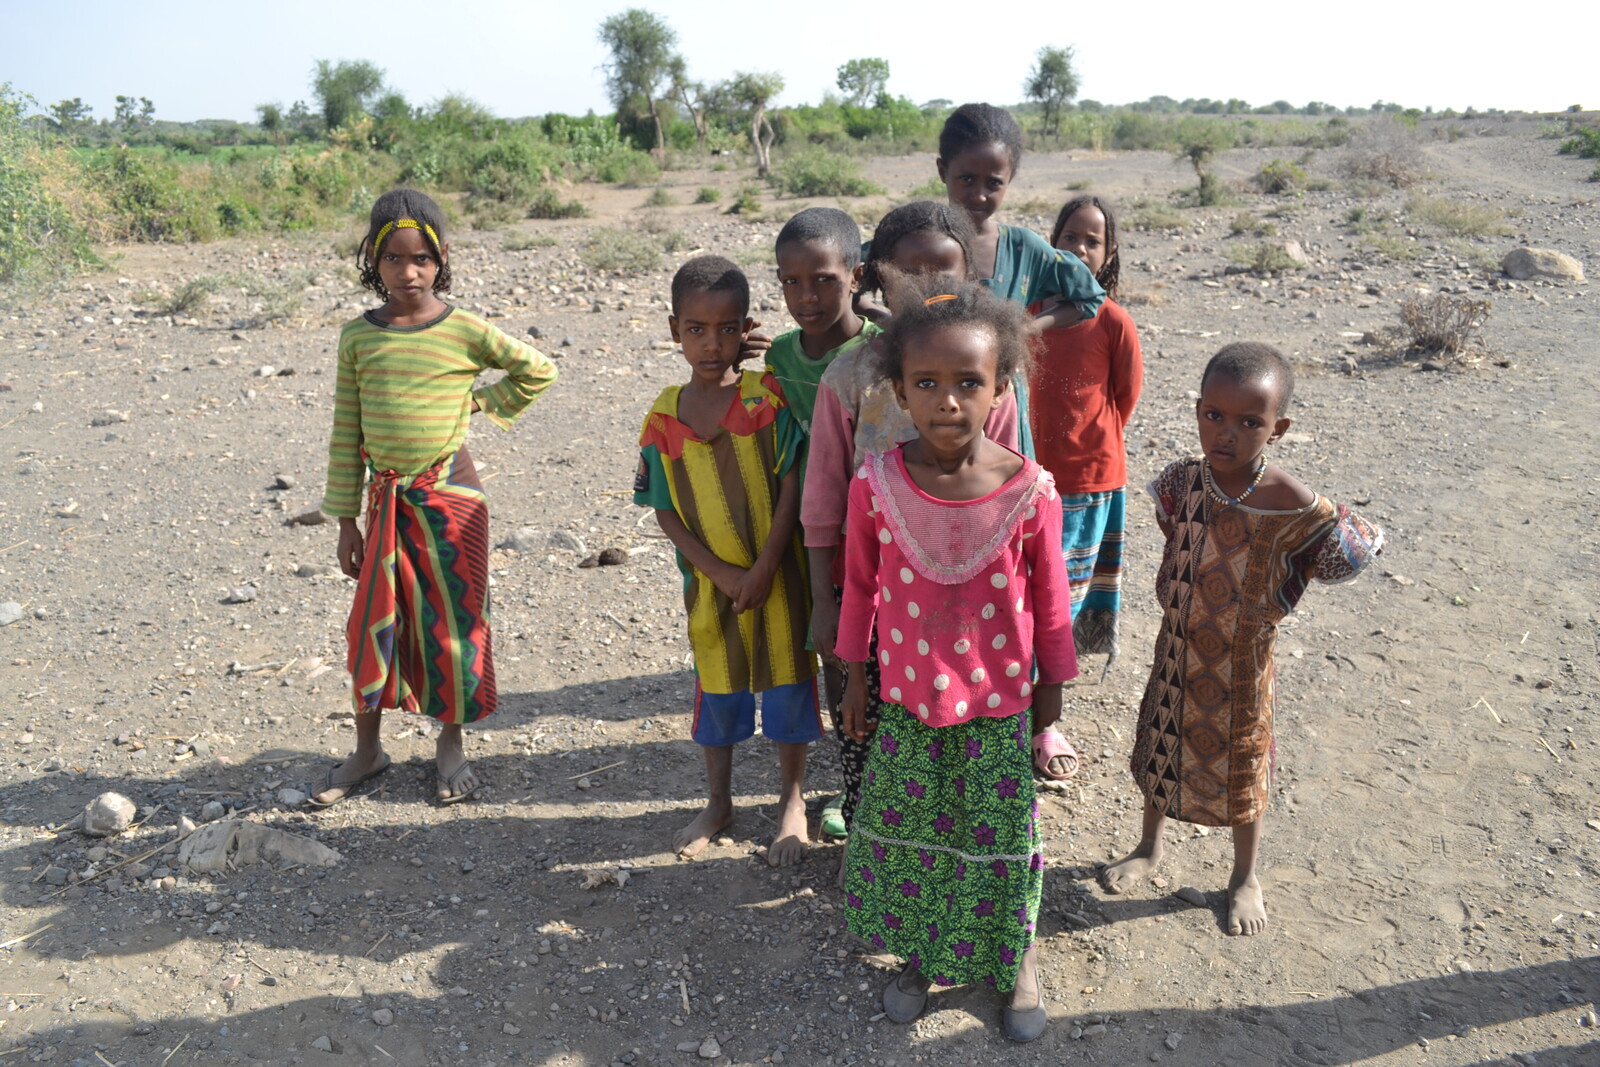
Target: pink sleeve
x=828 y=470
x=860 y=606
x=1001 y=425
x=1053 y=650
x=1127 y=370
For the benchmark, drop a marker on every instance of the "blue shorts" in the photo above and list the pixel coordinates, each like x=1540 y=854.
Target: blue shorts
x=788 y=714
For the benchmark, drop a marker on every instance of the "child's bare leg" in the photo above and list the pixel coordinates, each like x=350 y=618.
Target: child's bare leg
x=450 y=758
x=1247 y=913
x=367 y=757
x=789 y=843
x=718 y=812
x=1139 y=864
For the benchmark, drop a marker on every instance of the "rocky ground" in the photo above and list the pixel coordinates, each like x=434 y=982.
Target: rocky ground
x=1429 y=861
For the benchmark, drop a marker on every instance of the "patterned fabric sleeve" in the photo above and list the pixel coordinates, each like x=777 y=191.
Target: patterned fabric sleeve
x=1349 y=547
x=529 y=372
x=346 y=473
x=1063 y=274
x=1164 y=490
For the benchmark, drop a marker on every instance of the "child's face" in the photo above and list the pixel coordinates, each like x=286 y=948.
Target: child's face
x=948 y=384
x=1237 y=422
x=711 y=326
x=925 y=256
x=817 y=286
x=1084 y=235
x=976 y=180
x=408 y=266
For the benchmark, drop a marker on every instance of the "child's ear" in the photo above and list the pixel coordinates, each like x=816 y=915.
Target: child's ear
x=444 y=252
x=1280 y=428
x=900 y=394
x=1002 y=387
x=939 y=163
x=856 y=276
x=672 y=324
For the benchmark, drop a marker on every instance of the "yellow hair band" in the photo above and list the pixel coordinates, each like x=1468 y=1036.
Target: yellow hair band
x=403 y=224
x=940 y=299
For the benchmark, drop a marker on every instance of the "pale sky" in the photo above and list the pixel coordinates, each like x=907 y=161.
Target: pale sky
x=219 y=60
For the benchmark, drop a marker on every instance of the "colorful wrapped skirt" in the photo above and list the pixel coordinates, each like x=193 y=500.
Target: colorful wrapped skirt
x=1092 y=530
x=419 y=628
x=944 y=867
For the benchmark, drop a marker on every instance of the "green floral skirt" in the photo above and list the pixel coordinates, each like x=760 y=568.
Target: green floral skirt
x=944 y=867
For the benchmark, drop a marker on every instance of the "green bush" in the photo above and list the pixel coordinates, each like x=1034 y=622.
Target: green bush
x=627 y=167
x=1261 y=258
x=1244 y=222
x=748 y=201
x=707 y=195
x=518 y=241
x=1147 y=214
x=547 y=204
x=1457 y=217
x=511 y=170
x=815 y=172
x=39 y=238
x=149 y=202
x=1584 y=143
x=932 y=189
x=627 y=251
x=1280 y=176
x=660 y=196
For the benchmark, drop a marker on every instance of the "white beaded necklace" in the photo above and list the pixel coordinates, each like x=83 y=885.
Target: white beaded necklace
x=1217 y=494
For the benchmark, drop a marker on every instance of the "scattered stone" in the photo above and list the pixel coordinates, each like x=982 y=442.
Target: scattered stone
x=233 y=843
x=1293 y=250
x=1172 y=1041
x=383 y=1017
x=323 y=1044
x=613 y=557
x=1190 y=895
x=291 y=798
x=107 y=814
x=313 y=570
x=242 y=594
x=567 y=342
x=535 y=332
x=314 y=517
x=10 y=612
x=1430 y=364
x=267 y=372
x=1524 y=264
x=55 y=875
x=688 y=1046
x=186 y=825
x=589 y=561
x=212 y=810
x=1587 y=1018
x=511 y=1029
x=709 y=1049
x=283 y=481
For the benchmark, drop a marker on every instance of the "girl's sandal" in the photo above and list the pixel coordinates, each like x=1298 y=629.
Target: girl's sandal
x=1049 y=745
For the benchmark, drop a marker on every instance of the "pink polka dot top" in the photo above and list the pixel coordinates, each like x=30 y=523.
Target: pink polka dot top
x=967 y=595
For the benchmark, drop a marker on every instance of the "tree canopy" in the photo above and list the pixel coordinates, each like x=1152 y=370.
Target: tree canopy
x=642 y=61
x=1053 y=83
x=345 y=89
x=863 y=79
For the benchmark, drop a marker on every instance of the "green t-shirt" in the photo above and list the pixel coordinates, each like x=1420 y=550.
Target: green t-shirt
x=798 y=374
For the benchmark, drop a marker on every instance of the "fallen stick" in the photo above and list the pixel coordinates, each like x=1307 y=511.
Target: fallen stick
x=24 y=937
x=597 y=770
x=174 y=1052
x=1547 y=748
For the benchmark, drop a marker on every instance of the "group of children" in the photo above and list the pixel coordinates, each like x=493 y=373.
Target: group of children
x=924 y=488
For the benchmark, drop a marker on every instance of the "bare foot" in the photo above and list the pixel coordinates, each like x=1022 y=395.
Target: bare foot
x=691 y=840
x=1247 y=913
x=456 y=778
x=789 y=843
x=1132 y=869
x=348 y=775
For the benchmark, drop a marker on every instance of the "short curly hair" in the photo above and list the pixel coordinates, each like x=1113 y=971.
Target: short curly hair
x=964 y=304
x=710 y=274
x=981 y=125
x=826 y=225
x=919 y=216
x=391 y=207
x=1251 y=362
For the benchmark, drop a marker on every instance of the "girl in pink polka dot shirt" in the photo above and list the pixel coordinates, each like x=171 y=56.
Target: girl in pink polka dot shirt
x=952 y=552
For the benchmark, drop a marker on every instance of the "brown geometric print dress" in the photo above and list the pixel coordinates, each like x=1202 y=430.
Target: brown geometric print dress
x=1203 y=751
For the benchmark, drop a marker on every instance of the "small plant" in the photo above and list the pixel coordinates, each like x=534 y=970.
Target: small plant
x=1584 y=143
x=628 y=167
x=192 y=295
x=1244 y=222
x=521 y=241
x=1442 y=324
x=1280 y=176
x=547 y=204
x=1034 y=205
x=674 y=241
x=747 y=201
x=1384 y=151
x=660 y=196
x=1403 y=249
x=932 y=189
x=626 y=251
x=1146 y=214
x=488 y=213
x=1262 y=258
x=1080 y=185
x=816 y=172
x=708 y=194
x=1199 y=144
x=1457 y=217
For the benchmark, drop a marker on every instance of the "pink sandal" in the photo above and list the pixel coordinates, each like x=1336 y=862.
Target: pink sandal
x=1048 y=744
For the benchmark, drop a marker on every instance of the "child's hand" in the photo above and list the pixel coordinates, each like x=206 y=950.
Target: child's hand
x=825 y=631
x=727 y=577
x=755 y=344
x=1046 y=706
x=753 y=588
x=854 y=705
x=352 y=548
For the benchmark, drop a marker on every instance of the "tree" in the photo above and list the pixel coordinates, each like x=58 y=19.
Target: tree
x=864 y=79
x=134 y=113
x=756 y=91
x=1052 y=82
x=693 y=96
x=641 y=61
x=344 y=89
x=67 y=115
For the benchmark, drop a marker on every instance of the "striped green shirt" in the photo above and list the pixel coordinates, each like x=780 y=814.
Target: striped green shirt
x=404 y=395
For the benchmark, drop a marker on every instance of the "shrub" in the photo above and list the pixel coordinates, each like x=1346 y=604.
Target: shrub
x=1080 y=185
x=1584 y=143
x=510 y=170
x=627 y=251
x=191 y=295
x=39 y=239
x=1244 y=222
x=520 y=241
x=1442 y=324
x=1457 y=217
x=1147 y=214
x=707 y=194
x=628 y=167
x=1280 y=176
x=1400 y=248
x=932 y=189
x=748 y=201
x=660 y=196
x=547 y=204
x=1386 y=151
x=1262 y=258
x=816 y=172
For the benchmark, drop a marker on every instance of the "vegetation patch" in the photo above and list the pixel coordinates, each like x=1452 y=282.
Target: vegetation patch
x=815 y=172
x=1443 y=325
x=624 y=251
x=1281 y=176
x=1457 y=217
x=1261 y=258
x=1147 y=214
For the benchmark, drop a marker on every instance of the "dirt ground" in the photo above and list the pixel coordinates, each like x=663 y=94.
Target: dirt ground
x=1430 y=854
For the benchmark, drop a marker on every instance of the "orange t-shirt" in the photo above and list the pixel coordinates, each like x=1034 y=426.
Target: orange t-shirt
x=1082 y=390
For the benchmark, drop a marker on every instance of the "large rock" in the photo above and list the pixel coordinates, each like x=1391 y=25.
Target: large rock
x=1524 y=264
x=232 y=843
x=107 y=814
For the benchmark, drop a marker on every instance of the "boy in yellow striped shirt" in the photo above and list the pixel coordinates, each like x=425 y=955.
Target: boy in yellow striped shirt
x=719 y=463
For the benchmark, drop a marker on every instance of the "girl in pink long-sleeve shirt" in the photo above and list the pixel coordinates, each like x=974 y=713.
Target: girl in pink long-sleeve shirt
x=953 y=554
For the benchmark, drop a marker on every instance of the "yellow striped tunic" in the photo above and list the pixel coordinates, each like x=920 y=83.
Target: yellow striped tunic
x=404 y=395
x=726 y=490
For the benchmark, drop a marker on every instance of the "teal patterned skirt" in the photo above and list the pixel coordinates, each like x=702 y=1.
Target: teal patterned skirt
x=944 y=867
